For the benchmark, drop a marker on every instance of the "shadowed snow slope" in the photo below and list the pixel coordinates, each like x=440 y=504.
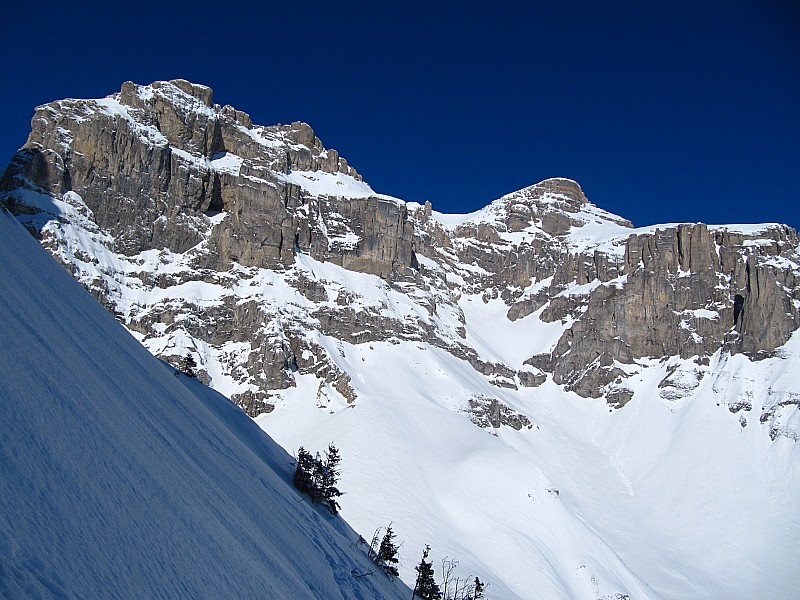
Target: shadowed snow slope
x=120 y=480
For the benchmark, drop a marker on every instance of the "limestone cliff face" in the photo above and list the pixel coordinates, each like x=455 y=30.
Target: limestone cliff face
x=684 y=291
x=206 y=233
x=150 y=161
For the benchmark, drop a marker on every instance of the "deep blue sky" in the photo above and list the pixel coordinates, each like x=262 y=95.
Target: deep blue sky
x=668 y=111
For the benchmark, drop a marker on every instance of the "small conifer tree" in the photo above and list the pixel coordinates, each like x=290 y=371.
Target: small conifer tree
x=330 y=477
x=304 y=473
x=480 y=587
x=317 y=475
x=426 y=586
x=189 y=365
x=318 y=478
x=387 y=553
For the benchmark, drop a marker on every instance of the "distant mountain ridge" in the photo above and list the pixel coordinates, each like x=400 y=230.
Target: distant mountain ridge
x=269 y=259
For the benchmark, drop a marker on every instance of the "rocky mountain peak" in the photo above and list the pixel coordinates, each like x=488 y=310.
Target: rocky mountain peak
x=557 y=187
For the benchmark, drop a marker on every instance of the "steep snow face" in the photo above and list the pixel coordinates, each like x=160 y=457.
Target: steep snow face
x=122 y=480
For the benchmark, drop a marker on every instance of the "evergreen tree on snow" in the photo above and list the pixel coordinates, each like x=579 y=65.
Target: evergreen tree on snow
x=387 y=553
x=426 y=586
x=189 y=365
x=479 y=589
x=318 y=478
x=317 y=475
x=304 y=473
x=330 y=477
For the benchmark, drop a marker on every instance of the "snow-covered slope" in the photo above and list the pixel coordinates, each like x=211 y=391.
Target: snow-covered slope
x=663 y=499
x=121 y=480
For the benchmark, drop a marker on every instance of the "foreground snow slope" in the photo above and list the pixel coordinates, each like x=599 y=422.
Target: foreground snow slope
x=121 y=480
